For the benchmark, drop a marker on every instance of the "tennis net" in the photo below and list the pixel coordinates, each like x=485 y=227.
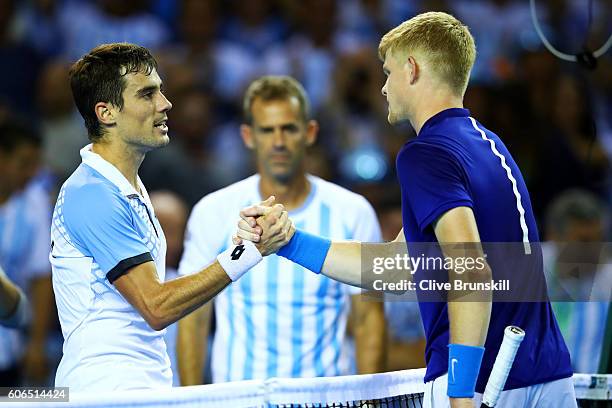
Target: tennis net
x=400 y=389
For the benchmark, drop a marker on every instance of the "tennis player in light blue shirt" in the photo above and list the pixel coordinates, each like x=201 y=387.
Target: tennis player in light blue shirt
x=108 y=248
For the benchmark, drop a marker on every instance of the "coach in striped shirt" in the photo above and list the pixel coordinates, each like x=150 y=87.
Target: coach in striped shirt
x=280 y=320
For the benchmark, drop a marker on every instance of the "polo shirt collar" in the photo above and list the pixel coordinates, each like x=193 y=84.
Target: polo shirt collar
x=446 y=113
x=110 y=172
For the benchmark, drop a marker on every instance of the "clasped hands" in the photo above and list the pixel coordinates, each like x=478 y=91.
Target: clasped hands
x=266 y=224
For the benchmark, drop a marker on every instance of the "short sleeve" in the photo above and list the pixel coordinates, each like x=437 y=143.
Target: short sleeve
x=204 y=237
x=101 y=224
x=433 y=182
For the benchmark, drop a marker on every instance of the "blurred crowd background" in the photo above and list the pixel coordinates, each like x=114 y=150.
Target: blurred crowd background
x=554 y=116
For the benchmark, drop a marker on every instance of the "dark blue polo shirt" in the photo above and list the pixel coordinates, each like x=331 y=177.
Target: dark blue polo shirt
x=455 y=161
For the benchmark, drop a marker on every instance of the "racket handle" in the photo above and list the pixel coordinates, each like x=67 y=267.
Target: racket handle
x=513 y=336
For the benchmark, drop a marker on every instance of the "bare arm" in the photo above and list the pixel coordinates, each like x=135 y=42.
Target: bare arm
x=370 y=333
x=9 y=297
x=343 y=261
x=163 y=303
x=468 y=320
x=192 y=344
x=35 y=357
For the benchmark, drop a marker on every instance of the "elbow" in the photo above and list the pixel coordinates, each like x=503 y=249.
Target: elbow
x=155 y=316
x=156 y=323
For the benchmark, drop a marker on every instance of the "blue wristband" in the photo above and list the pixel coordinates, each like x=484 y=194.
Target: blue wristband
x=463 y=367
x=306 y=250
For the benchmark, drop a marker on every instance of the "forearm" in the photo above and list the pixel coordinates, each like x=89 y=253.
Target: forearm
x=42 y=304
x=179 y=297
x=469 y=313
x=163 y=303
x=343 y=262
x=191 y=345
x=370 y=335
x=469 y=322
x=9 y=297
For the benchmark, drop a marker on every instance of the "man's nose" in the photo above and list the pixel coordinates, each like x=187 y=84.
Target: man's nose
x=279 y=138
x=166 y=105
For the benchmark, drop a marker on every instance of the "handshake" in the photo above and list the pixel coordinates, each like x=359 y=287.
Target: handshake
x=266 y=224
x=264 y=229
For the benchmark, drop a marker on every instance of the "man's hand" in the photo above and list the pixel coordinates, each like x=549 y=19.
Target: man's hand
x=461 y=403
x=267 y=225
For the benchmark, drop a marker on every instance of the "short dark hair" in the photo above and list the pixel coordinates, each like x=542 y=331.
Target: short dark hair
x=16 y=132
x=271 y=88
x=99 y=77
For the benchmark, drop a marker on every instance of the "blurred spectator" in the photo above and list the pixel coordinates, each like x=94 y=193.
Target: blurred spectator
x=86 y=25
x=498 y=27
x=61 y=125
x=354 y=119
x=570 y=152
x=25 y=216
x=39 y=26
x=201 y=57
x=361 y=22
x=577 y=263
x=310 y=54
x=172 y=214
x=20 y=65
x=254 y=25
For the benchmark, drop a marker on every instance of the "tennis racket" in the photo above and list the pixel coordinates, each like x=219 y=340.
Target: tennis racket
x=513 y=336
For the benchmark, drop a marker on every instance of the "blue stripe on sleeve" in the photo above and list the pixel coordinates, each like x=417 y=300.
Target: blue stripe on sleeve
x=297 y=319
x=272 y=315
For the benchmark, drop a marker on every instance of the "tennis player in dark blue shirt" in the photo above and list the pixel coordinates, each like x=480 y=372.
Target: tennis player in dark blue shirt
x=459 y=185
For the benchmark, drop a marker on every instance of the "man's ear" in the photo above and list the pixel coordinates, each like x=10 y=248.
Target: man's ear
x=246 y=132
x=105 y=113
x=413 y=69
x=312 y=131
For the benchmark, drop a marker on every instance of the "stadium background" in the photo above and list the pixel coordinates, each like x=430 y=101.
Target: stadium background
x=555 y=116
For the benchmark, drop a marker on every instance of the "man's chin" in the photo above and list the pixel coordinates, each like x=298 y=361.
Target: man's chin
x=157 y=143
x=282 y=176
x=394 y=119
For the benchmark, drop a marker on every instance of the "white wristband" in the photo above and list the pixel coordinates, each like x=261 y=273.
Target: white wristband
x=238 y=259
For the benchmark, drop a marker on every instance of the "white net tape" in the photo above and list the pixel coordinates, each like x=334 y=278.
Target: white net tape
x=286 y=391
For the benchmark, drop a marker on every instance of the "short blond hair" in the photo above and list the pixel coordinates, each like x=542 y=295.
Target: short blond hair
x=275 y=87
x=442 y=39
